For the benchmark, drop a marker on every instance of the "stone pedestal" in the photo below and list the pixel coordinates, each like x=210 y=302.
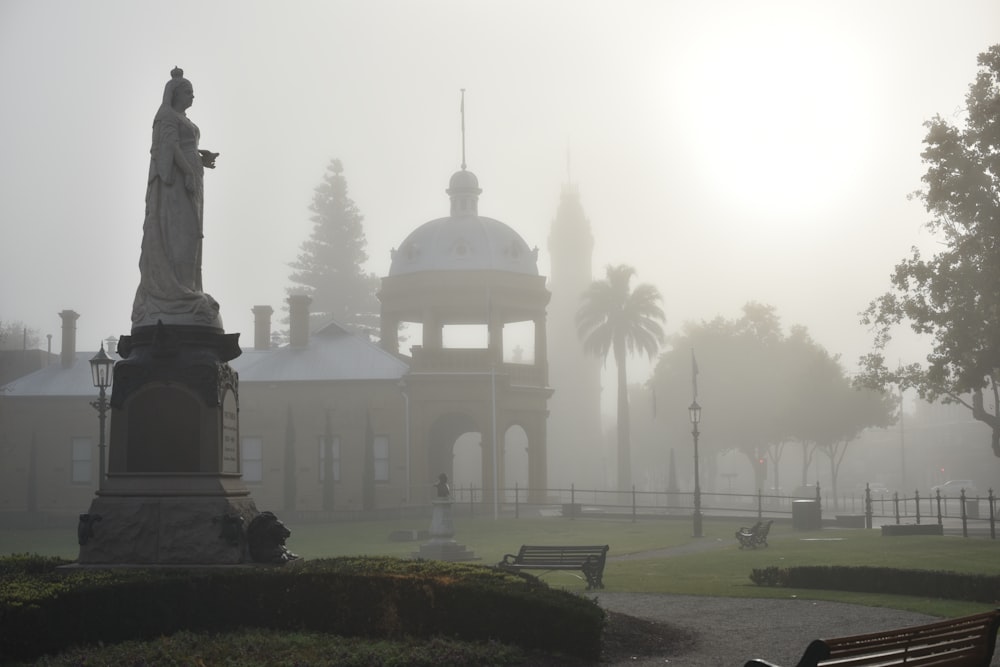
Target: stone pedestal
x=174 y=493
x=442 y=546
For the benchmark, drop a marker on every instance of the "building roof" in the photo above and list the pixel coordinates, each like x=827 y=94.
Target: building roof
x=332 y=354
x=54 y=380
x=18 y=363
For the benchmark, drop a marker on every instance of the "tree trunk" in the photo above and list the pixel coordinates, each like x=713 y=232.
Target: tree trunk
x=759 y=471
x=979 y=413
x=624 y=432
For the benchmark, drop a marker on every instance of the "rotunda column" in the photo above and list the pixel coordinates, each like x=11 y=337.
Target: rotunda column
x=389 y=333
x=432 y=331
x=541 y=342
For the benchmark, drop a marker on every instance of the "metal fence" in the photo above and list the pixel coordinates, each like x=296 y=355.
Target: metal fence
x=976 y=513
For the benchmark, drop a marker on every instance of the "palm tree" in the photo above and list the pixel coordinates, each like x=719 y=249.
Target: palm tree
x=613 y=317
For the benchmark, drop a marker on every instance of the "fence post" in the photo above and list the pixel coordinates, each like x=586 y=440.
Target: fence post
x=517 y=502
x=916 y=501
x=993 y=525
x=760 y=505
x=895 y=504
x=965 y=520
x=868 y=506
x=472 y=500
x=633 y=503
x=572 y=501
x=819 y=503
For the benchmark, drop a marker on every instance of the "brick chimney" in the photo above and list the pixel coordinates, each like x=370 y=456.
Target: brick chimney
x=298 y=320
x=262 y=327
x=68 y=354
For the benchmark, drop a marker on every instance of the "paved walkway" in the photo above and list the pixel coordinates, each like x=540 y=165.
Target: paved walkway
x=730 y=631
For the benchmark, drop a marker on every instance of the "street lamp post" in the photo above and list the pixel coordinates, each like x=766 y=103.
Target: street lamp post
x=102 y=371
x=695 y=412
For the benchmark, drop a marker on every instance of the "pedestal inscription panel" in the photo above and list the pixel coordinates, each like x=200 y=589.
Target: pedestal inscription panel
x=230 y=434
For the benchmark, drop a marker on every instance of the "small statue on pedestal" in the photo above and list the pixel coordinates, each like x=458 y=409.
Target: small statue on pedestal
x=443 y=490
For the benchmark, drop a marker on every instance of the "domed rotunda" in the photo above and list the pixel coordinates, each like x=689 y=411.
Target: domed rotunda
x=465 y=240
x=468 y=269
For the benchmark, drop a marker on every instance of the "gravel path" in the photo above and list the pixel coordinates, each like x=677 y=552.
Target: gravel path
x=726 y=632
x=730 y=631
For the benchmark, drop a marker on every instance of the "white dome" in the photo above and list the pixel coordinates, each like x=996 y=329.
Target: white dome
x=465 y=240
x=464 y=243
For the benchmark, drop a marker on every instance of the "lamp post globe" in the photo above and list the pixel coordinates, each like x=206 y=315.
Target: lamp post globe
x=102 y=373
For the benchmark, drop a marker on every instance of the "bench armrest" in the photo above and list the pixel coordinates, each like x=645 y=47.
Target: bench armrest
x=508 y=559
x=759 y=663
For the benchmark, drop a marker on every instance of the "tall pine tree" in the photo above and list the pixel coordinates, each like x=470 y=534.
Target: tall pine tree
x=329 y=267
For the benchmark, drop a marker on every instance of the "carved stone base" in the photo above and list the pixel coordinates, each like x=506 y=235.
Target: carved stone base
x=448 y=550
x=441 y=546
x=442 y=525
x=141 y=530
x=175 y=402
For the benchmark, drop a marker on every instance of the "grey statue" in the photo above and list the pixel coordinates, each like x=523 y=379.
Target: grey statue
x=170 y=289
x=443 y=490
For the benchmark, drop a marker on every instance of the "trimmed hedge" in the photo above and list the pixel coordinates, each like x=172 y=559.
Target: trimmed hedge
x=44 y=610
x=884 y=580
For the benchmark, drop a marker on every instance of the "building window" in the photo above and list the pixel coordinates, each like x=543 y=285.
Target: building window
x=82 y=453
x=252 y=459
x=334 y=460
x=381 y=458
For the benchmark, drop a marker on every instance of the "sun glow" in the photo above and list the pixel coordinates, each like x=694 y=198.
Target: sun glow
x=777 y=115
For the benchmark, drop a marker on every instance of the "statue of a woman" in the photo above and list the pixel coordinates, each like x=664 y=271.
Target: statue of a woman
x=170 y=288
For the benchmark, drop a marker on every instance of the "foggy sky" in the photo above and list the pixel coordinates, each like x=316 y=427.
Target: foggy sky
x=729 y=150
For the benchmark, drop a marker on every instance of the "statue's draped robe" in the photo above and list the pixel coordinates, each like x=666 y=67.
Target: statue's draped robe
x=170 y=288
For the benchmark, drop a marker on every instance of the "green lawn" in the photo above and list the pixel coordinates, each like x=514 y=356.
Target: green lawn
x=720 y=568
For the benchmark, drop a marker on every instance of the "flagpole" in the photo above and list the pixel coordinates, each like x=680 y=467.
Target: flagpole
x=463 y=128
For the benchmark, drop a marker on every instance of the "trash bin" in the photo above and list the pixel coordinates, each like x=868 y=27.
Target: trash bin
x=972 y=508
x=571 y=509
x=806 y=515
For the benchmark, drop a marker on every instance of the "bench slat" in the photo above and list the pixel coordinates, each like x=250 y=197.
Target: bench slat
x=965 y=641
x=588 y=559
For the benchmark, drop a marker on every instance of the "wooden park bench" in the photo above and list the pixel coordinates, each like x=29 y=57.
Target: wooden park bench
x=755 y=536
x=587 y=559
x=966 y=641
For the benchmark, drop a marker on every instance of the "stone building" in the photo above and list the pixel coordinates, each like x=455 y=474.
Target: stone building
x=332 y=423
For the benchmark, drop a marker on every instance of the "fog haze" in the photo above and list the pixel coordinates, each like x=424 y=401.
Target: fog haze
x=729 y=151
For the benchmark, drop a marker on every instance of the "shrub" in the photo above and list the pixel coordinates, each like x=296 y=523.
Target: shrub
x=769 y=576
x=884 y=580
x=45 y=611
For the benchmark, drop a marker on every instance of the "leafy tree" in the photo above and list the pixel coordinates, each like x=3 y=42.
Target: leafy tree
x=739 y=387
x=827 y=412
x=761 y=390
x=954 y=297
x=329 y=268
x=615 y=318
x=15 y=335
